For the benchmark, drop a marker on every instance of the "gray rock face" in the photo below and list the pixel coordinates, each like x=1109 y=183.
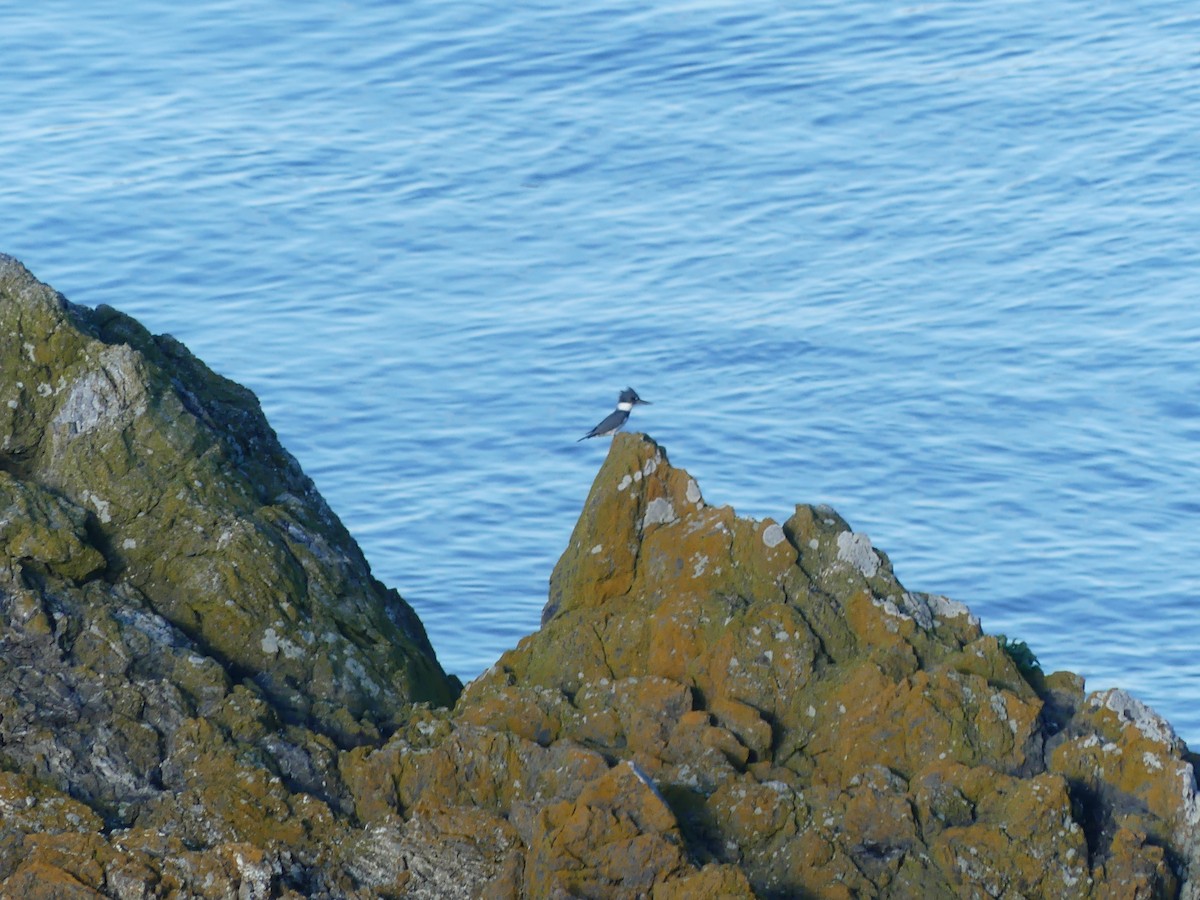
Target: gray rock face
x=178 y=490
x=187 y=632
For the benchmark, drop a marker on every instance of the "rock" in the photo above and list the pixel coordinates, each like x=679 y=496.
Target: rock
x=128 y=463
x=203 y=692
x=618 y=836
x=189 y=636
x=814 y=724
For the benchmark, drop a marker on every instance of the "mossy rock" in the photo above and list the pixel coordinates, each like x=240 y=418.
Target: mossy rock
x=146 y=467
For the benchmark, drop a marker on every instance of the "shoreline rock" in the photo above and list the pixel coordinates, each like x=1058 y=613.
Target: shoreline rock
x=177 y=489
x=823 y=729
x=203 y=691
x=188 y=635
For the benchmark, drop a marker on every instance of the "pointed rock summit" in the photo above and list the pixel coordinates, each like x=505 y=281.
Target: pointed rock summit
x=824 y=730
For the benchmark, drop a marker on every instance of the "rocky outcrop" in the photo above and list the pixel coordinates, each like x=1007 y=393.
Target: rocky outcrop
x=203 y=693
x=188 y=635
x=127 y=464
x=806 y=722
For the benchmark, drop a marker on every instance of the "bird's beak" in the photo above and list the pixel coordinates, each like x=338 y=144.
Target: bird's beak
x=641 y=402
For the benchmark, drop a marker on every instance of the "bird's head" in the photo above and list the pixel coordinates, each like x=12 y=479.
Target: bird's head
x=629 y=399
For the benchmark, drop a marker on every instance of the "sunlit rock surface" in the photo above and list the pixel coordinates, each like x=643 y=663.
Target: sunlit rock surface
x=203 y=692
x=813 y=724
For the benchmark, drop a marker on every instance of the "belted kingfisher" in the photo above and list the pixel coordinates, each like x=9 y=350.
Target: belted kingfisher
x=615 y=419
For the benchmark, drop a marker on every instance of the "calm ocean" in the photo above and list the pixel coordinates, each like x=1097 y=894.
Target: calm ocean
x=935 y=265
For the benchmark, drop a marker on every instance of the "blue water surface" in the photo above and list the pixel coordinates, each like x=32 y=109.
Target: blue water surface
x=935 y=265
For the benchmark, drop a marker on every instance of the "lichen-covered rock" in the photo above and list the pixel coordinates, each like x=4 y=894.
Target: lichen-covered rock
x=188 y=636
x=812 y=723
x=125 y=461
x=203 y=693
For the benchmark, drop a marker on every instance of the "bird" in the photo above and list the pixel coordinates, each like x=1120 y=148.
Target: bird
x=612 y=423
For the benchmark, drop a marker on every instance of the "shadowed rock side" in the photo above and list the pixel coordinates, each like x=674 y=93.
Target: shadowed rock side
x=203 y=693
x=187 y=632
x=713 y=699
x=151 y=475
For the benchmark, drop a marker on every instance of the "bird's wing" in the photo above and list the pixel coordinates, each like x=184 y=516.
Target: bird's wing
x=609 y=422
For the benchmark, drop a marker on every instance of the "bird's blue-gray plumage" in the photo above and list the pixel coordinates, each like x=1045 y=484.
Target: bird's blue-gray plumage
x=612 y=423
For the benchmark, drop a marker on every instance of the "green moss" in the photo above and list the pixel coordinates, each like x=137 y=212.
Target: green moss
x=1023 y=657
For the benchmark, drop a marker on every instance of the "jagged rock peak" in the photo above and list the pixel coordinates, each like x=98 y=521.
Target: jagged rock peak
x=828 y=732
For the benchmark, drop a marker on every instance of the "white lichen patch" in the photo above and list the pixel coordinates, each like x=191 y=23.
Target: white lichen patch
x=103 y=507
x=1151 y=761
x=1191 y=802
x=110 y=394
x=773 y=535
x=888 y=605
x=154 y=626
x=1143 y=718
x=659 y=511
x=925 y=609
x=700 y=563
x=624 y=482
x=945 y=608
x=355 y=668
x=693 y=493
x=273 y=644
x=597 y=549
x=255 y=874
x=1000 y=707
x=651 y=466
x=854 y=549
x=128 y=544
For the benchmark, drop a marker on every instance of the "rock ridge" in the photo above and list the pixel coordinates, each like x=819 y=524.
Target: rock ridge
x=174 y=486
x=188 y=634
